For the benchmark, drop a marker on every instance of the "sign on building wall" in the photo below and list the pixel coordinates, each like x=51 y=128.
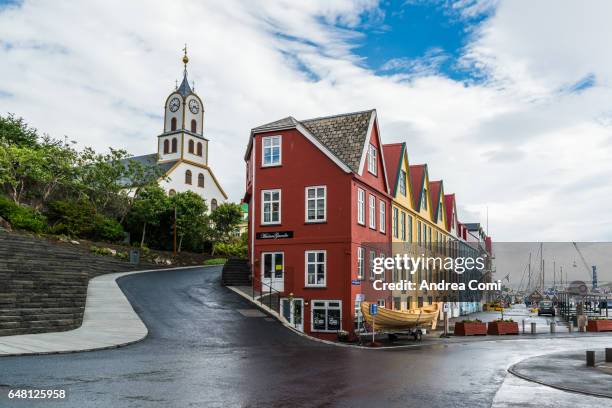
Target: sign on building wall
x=274 y=235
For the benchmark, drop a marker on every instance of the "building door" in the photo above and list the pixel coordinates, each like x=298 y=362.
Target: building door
x=273 y=272
x=293 y=312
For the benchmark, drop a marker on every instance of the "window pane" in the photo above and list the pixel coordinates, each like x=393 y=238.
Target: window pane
x=321 y=257
x=333 y=320
x=318 y=319
x=311 y=193
x=320 y=192
x=267 y=265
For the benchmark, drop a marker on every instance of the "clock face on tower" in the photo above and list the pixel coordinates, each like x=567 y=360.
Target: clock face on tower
x=174 y=104
x=193 y=106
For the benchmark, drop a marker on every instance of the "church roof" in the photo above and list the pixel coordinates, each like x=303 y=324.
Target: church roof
x=147 y=161
x=184 y=89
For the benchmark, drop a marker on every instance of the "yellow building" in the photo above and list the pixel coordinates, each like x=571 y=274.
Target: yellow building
x=418 y=223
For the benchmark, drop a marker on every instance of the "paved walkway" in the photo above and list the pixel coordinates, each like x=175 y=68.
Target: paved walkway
x=108 y=321
x=566 y=371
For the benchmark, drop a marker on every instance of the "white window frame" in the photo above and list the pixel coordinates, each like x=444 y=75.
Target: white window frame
x=361 y=206
x=383 y=275
x=263 y=150
x=382 y=210
x=440 y=215
x=360 y=263
x=403 y=183
x=424 y=199
x=316 y=252
x=402 y=223
x=262 y=220
x=327 y=308
x=372 y=159
x=381 y=303
x=315 y=199
x=372 y=211
x=395 y=221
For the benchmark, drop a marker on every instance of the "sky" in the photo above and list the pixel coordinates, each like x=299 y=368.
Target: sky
x=509 y=102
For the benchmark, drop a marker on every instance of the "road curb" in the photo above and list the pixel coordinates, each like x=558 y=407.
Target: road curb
x=112 y=285
x=513 y=371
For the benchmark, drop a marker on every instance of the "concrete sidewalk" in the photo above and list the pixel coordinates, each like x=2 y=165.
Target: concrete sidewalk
x=109 y=321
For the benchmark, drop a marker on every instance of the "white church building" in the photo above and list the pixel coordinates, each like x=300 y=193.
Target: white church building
x=182 y=148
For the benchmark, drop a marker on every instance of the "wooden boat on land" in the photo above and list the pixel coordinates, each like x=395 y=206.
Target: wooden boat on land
x=387 y=319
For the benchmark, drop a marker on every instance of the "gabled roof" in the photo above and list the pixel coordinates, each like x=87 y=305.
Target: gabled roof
x=435 y=190
x=449 y=203
x=285 y=123
x=393 y=161
x=146 y=160
x=345 y=135
x=417 y=177
x=342 y=136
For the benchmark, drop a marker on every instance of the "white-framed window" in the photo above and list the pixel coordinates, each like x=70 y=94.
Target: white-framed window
x=419 y=236
x=424 y=199
x=360 y=262
x=381 y=303
x=271 y=151
x=395 y=223
x=372 y=212
x=383 y=276
x=316 y=204
x=440 y=215
x=271 y=207
x=372 y=159
x=316 y=265
x=402 y=183
x=382 y=208
x=360 y=206
x=326 y=315
x=410 y=228
x=403 y=226
x=372 y=257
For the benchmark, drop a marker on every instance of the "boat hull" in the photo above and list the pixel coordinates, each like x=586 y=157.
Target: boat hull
x=387 y=319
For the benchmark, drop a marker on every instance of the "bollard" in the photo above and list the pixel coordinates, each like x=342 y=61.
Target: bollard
x=553 y=327
x=608 y=355
x=523 y=326
x=533 y=328
x=590 y=358
x=570 y=326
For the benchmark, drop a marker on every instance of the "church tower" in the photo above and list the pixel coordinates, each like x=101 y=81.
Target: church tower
x=183 y=135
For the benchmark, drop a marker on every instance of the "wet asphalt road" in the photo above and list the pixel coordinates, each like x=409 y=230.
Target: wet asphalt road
x=201 y=352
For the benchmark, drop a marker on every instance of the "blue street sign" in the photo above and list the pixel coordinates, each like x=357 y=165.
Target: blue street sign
x=373 y=309
x=356 y=282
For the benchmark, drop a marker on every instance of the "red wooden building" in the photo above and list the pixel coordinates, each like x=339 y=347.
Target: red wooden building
x=319 y=209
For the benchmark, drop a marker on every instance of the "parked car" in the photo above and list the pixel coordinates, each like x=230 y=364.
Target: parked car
x=546 y=308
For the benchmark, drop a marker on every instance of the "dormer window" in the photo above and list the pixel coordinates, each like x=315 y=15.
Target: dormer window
x=271 y=154
x=372 y=159
x=402 y=183
x=440 y=217
x=424 y=199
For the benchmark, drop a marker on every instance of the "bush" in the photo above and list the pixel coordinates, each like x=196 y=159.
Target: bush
x=230 y=249
x=73 y=218
x=107 y=229
x=78 y=218
x=24 y=218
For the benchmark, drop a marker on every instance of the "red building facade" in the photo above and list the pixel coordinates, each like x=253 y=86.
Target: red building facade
x=319 y=208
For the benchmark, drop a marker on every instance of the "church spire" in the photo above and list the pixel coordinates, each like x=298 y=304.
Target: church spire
x=185 y=89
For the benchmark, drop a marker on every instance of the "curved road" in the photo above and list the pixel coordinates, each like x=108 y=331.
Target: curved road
x=202 y=352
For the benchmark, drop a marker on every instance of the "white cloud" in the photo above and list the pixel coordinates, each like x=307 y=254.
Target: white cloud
x=521 y=143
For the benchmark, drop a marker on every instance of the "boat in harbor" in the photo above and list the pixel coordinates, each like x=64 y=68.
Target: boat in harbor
x=387 y=319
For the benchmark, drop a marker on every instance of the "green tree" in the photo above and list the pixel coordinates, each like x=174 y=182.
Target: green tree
x=15 y=131
x=148 y=208
x=224 y=222
x=20 y=167
x=191 y=218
